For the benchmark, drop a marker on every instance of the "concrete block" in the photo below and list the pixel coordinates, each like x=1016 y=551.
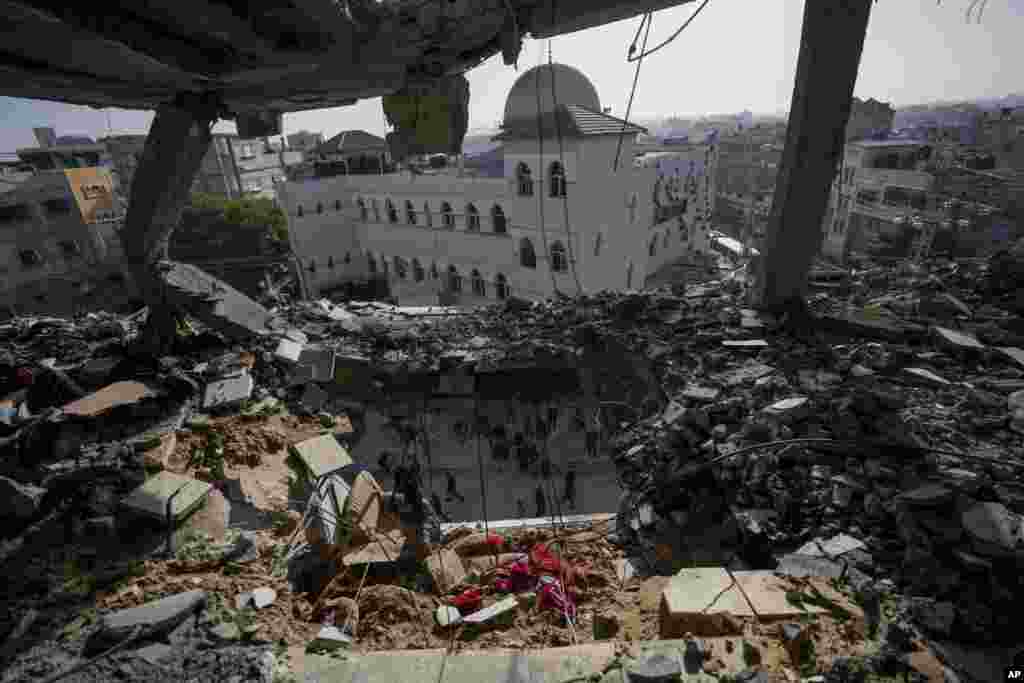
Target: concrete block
x=925 y=377
x=701 y=601
x=994 y=530
x=700 y=394
x=788 y=409
x=288 y=350
x=747 y=373
x=833 y=547
x=1014 y=354
x=150 y=499
x=320 y=455
x=228 y=391
x=154 y=618
x=745 y=343
x=446 y=569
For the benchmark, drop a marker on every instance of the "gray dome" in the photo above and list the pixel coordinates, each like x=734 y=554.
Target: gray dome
x=571 y=87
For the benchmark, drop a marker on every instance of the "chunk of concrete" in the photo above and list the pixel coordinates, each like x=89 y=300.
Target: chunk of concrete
x=655 y=668
x=154 y=653
x=924 y=377
x=264 y=597
x=788 y=409
x=366 y=502
x=701 y=601
x=833 y=547
x=1014 y=354
x=108 y=398
x=767 y=595
x=745 y=343
x=317 y=365
x=150 y=499
x=927 y=496
x=958 y=341
x=446 y=568
x=19 y=501
x=317 y=456
x=994 y=530
x=228 y=392
x=700 y=394
x=288 y=350
x=747 y=373
x=152 y=619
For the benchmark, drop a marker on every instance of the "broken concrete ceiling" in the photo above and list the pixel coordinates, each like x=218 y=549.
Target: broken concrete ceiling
x=269 y=55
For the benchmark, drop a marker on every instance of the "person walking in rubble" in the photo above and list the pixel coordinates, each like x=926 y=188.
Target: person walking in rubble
x=593 y=434
x=453 y=491
x=570 y=488
x=521 y=508
x=539 y=499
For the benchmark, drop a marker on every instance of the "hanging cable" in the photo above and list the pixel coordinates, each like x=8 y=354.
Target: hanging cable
x=647 y=53
x=561 y=160
x=648 y=19
x=540 y=165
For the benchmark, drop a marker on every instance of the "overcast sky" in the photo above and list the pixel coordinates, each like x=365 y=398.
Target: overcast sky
x=736 y=55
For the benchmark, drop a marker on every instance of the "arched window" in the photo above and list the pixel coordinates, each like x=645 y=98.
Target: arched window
x=384 y=266
x=524 y=179
x=527 y=256
x=429 y=219
x=454 y=279
x=319 y=207
x=498 y=220
x=400 y=267
x=312 y=266
x=447 y=217
x=376 y=210
x=653 y=248
x=337 y=205
x=684 y=231
x=664 y=241
x=500 y=286
x=371 y=264
x=433 y=271
x=410 y=213
x=364 y=214
x=633 y=201
x=392 y=211
x=477 y=283
x=348 y=257
x=330 y=262
x=417 y=270
x=556 y=179
x=559 y=262
x=629 y=276
x=597 y=244
x=299 y=212
x=472 y=218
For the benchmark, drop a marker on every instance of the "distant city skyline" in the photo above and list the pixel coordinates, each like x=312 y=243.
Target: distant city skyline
x=916 y=52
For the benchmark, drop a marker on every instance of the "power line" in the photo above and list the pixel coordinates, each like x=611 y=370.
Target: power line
x=647 y=19
x=646 y=53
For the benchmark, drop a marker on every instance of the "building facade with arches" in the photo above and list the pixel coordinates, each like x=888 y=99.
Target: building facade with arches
x=573 y=212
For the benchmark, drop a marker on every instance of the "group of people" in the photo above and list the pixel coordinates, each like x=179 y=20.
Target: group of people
x=522 y=448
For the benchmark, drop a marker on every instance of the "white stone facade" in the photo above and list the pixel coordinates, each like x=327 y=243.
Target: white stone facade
x=596 y=237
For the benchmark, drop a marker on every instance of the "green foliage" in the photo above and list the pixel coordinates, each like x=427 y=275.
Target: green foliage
x=197 y=546
x=210 y=455
x=248 y=211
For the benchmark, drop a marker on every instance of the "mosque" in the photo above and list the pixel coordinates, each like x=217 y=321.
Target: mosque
x=574 y=207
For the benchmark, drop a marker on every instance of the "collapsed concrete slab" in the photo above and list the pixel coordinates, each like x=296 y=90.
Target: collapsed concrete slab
x=150 y=499
x=148 y=621
x=214 y=302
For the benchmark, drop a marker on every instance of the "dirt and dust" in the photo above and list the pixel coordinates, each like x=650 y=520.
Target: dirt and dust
x=255 y=450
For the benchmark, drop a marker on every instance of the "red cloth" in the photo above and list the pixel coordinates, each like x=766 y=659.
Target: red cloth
x=467 y=601
x=543 y=561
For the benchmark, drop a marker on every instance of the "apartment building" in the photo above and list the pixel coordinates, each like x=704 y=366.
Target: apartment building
x=234 y=166
x=574 y=208
x=52 y=226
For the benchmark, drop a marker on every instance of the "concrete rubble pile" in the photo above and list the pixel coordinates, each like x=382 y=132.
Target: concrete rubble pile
x=876 y=439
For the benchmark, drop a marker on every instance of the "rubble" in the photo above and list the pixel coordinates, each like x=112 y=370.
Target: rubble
x=862 y=449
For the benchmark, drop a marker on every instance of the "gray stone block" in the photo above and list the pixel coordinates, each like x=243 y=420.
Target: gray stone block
x=153 y=619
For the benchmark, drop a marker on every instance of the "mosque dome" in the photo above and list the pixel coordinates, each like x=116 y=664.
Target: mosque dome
x=570 y=87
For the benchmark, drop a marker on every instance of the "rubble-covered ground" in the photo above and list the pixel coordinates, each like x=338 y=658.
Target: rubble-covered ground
x=877 y=441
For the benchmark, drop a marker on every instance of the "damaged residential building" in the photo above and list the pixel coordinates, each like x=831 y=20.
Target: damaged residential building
x=563 y=215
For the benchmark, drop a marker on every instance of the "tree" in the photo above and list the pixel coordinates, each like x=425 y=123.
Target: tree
x=248 y=211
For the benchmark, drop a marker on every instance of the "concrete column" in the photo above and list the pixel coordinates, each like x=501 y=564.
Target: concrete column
x=830 y=50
